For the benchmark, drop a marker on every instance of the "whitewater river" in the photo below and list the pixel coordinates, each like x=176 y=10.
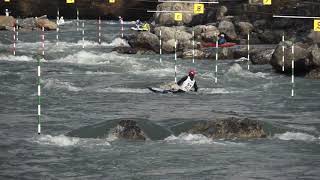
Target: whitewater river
x=82 y=87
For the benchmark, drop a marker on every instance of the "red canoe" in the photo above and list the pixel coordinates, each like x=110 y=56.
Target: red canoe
x=227 y=44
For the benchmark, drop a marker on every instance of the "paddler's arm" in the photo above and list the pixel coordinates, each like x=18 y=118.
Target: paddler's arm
x=195 y=86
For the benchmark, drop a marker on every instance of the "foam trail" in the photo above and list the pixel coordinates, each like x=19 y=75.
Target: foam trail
x=54 y=83
x=16 y=58
x=123 y=90
x=196 y=139
x=236 y=69
x=65 y=141
x=84 y=57
x=295 y=136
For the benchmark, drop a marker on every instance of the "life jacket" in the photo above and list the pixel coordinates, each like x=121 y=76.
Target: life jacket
x=187 y=84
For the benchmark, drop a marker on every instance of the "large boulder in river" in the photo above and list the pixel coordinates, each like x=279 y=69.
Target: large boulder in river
x=28 y=24
x=301 y=58
x=128 y=129
x=225 y=128
x=228 y=28
x=7 y=21
x=46 y=23
x=145 y=40
x=314 y=74
x=261 y=56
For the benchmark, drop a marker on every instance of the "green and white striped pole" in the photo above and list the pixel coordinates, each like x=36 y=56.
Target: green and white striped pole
x=39 y=81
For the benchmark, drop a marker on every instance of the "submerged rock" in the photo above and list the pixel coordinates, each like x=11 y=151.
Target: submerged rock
x=314 y=74
x=128 y=129
x=133 y=129
x=125 y=50
x=227 y=128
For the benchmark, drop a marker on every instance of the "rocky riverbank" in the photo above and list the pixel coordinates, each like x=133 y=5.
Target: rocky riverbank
x=28 y=24
x=265 y=37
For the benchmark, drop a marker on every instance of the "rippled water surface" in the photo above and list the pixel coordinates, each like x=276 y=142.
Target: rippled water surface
x=82 y=87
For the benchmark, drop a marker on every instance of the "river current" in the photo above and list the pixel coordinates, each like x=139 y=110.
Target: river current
x=82 y=87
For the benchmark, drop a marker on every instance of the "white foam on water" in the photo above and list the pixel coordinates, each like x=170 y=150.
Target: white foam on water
x=159 y=72
x=55 y=83
x=295 y=136
x=303 y=127
x=84 y=57
x=60 y=140
x=99 y=73
x=215 y=91
x=117 y=42
x=123 y=90
x=17 y=58
x=65 y=141
x=236 y=69
x=124 y=22
x=196 y=139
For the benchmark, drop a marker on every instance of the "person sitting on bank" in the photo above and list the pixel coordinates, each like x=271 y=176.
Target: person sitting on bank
x=222 y=39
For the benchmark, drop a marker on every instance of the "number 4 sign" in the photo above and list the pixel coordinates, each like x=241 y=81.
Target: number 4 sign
x=317 y=25
x=267 y=2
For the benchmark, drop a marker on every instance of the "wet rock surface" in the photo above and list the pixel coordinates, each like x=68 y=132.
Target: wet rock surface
x=128 y=129
x=229 y=128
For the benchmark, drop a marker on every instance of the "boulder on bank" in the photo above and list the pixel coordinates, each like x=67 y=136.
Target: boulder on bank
x=198 y=54
x=245 y=28
x=6 y=22
x=315 y=54
x=301 y=58
x=228 y=28
x=206 y=33
x=314 y=37
x=178 y=32
x=167 y=19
